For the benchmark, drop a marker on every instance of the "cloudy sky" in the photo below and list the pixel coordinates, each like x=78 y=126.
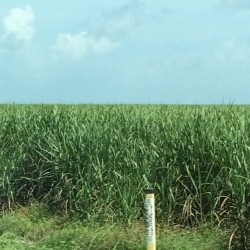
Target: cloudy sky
x=125 y=51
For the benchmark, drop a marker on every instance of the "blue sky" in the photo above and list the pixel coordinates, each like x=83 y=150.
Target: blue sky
x=122 y=51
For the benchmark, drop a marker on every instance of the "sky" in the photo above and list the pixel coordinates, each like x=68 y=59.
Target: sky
x=125 y=51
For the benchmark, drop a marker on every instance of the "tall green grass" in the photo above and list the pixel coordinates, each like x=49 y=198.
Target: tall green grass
x=96 y=160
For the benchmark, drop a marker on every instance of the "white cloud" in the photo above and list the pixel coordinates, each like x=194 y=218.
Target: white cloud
x=77 y=46
x=117 y=22
x=187 y=63
x=233 y=5
x=123 y=19
x=103 y=45
x=120 y=26
x=232 y=51
x=19 y=23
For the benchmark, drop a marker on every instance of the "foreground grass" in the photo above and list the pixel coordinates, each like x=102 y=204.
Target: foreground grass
x=34 y=228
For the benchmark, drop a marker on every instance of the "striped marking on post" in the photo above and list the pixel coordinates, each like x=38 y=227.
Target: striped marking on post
x=150 y=218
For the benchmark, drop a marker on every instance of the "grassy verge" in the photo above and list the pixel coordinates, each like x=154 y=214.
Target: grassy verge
x=94 y=162
x=34 y=228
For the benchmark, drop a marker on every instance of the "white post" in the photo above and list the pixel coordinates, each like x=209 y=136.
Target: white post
x=150 y=218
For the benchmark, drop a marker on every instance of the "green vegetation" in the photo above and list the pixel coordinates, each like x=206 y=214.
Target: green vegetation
x=94 y=161
x=35 y=228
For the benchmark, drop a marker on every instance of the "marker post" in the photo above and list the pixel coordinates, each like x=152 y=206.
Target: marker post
x=150 y=218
